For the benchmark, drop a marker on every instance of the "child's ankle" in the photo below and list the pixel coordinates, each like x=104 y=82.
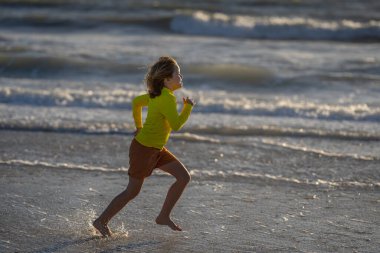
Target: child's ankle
x=101 y=221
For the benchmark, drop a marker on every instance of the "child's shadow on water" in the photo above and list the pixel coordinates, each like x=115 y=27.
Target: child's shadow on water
x=61 y=245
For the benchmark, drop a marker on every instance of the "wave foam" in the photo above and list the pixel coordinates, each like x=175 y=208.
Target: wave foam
x=319 y=151
x=218 y=24
x=194 y=138
x=195 y=132
x=219 y=102
x=72 y=166
x=277 y=178
x=116 y=98
x=202 y=174
x=289 y=108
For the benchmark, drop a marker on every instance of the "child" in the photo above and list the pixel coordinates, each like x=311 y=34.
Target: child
x=147 y=150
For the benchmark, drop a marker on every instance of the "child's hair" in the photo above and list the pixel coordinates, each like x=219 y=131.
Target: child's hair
x=155 y=78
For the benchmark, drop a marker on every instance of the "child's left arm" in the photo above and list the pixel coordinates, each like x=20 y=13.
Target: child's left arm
x=169 y=110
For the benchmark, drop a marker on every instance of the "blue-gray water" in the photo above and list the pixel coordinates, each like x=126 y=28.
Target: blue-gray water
x=286 y=91
x=294 y=69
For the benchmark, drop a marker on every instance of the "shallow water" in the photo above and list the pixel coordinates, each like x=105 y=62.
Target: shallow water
x=50 y=209
x=287 y=95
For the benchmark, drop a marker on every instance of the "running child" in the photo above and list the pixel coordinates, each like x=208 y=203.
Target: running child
x=147 y=150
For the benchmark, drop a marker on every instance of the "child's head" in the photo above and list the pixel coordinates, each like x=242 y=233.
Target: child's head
x=164 y=73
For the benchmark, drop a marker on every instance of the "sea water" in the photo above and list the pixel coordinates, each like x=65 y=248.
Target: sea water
x=296 y=81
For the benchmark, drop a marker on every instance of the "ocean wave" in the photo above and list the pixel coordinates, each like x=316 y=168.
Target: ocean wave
x=233 y=73
x=116 y=98
x=24 y=61
x=218 y=103
x=194 y=138
x=34 y=64
x=298 y=28
x=276 y=179
x=193 y=133
x=278 y=131
x=82 y=17
x=319 y=152
x=204 y=174
x=72 y=166
x=191 y=137
x=63 y=126
x=283 y=107
x=195 y=23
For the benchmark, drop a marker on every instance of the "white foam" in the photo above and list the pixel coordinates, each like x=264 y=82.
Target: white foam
x=219 y=24
x=204 y=174
x=207 y=102
x=114 y=98
x=201 y=173
x=194 y=137
x=105 y=121
x=319 y=151
x=283 y=106
x=72 y=166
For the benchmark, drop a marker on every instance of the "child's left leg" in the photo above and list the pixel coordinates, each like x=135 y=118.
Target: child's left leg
x=182 y=176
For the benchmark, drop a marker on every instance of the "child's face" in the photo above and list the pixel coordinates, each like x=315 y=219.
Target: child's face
x=175 y=82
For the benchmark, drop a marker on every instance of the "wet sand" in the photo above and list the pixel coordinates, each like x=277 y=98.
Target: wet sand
x=45 y=209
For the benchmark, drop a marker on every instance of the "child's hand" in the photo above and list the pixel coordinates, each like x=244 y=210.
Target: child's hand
x=188 y=100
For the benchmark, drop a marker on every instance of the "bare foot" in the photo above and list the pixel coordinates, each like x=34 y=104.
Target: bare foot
x=168 y=222
x=102 y=228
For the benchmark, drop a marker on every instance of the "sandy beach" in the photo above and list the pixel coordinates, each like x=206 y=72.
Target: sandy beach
x=50 y=209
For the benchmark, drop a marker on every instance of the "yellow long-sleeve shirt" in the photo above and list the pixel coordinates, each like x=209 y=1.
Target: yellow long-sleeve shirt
x=162 y=117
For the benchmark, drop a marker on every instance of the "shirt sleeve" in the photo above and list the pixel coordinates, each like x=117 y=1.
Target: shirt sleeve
x=169 y=110
x=137 y=104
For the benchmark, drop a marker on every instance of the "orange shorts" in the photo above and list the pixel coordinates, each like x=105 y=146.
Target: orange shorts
x=143 y=160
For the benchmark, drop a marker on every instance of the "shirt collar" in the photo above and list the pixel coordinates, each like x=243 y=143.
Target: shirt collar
x=166 y=90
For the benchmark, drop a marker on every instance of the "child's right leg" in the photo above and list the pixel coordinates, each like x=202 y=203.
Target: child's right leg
x=133 y=189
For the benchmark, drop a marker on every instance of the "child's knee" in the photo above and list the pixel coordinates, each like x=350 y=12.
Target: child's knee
x=130 y=194
x=185 y=178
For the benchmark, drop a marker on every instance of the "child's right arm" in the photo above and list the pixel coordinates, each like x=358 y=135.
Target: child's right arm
x=137 y=104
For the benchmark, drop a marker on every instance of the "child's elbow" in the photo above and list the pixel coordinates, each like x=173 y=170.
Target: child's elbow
x=176 y=127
